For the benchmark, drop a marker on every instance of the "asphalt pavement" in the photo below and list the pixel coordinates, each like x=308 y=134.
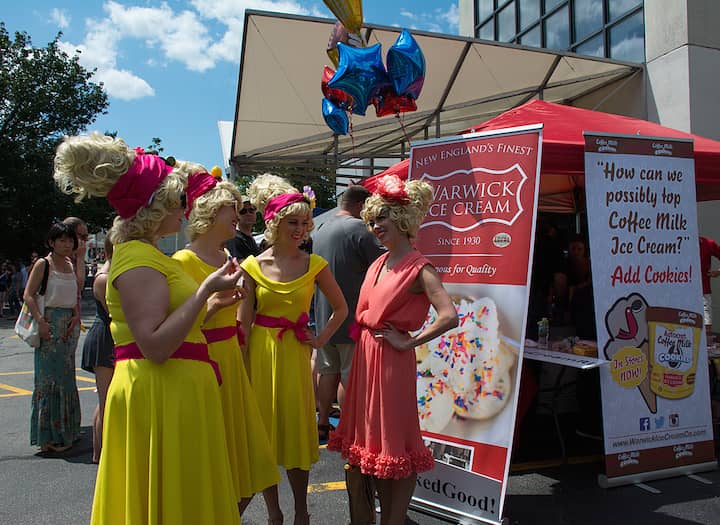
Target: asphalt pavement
x=37 y=488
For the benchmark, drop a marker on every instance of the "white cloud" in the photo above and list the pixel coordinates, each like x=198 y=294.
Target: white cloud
x=60 y=17
x=452 y=17
x=187 y=36
x=436 y=21
x=124 y=85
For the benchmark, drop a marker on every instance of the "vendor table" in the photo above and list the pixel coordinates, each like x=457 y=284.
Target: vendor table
x=564 y=360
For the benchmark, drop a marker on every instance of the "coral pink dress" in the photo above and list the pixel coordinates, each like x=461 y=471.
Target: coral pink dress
x=379 y=428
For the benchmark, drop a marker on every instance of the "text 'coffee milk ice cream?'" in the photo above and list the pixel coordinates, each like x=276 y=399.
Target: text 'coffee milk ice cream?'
x=674 y=337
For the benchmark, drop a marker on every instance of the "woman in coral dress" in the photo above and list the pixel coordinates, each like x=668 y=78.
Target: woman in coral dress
x=379 y=431
x=282 y=280
x=164 y=456
x=212 y=216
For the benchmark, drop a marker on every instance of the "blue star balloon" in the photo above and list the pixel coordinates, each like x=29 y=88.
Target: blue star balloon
x=335 y=118
x=360 y=74
x=406 y=65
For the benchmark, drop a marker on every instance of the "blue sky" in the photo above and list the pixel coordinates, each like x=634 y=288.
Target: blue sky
x=171 y=68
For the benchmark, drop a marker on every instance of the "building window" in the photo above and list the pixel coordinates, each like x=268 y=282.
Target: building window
x=552 y=4
x=557 y=30
x=506 y=23
x=617 y=8
x=487 y=31
x=485 y=8
x=529 y=13
x=595 y=47
x=604 y=28
x=588 y=18
x=627 y=39
x=532 y=38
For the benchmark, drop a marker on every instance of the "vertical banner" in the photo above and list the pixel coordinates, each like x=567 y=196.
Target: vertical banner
x=479 y=235
x=648 y=304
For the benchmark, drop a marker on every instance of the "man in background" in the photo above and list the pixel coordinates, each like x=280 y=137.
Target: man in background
x=708 y=250
x=349 y=248
x=244 y=245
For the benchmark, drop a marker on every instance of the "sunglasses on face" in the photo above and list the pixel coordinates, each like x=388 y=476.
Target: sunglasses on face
x=243 y=211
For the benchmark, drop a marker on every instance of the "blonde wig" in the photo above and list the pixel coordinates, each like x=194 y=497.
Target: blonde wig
x=206 y=207
x=407 y=217
x=267 y=186
x=89 y=166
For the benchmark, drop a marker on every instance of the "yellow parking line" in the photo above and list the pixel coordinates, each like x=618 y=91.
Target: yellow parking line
x=327 y=487
x=14 y=390
x=15 y=373
x=86 y=379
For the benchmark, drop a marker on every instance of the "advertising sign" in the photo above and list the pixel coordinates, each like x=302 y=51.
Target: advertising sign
x=648 y=303
x=479 y=235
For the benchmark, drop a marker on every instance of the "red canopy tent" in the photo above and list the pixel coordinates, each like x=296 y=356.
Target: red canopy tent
x=563 y=164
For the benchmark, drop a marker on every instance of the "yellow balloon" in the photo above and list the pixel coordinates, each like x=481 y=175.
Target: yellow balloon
x=349 y=12
x=216 y=172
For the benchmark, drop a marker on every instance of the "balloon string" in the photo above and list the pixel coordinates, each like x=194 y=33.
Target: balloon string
x=402 y=126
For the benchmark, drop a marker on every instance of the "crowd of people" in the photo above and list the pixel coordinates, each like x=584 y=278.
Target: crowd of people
x=203 y=360
x=219 y=365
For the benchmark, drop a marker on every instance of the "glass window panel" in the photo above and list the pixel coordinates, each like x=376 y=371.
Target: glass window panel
x=557 y=30
x=551 y=4
x=485 y=9
x=627 y=39
x=487 y=32
x=620 y=7
x=594 y=47
x=506 y=23
x=532 y=37
x=529 y=13
x=588 y=18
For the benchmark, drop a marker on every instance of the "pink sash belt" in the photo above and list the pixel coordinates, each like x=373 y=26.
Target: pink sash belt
x=285 y=324
x=354 y=331
x=192 y=351
x=213 y=335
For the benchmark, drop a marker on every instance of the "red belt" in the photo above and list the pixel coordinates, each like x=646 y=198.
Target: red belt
x=285 y=324
x=354 y=331
x=192 y=351
x=213 y=335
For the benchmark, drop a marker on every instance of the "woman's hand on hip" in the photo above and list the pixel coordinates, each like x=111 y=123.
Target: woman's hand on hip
x=397 y=339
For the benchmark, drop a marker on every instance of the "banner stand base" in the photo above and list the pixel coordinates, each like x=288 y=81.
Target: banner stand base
x=640 y=477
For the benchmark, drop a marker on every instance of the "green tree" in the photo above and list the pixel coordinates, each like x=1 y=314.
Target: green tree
x=155 y=147
x=44 y=95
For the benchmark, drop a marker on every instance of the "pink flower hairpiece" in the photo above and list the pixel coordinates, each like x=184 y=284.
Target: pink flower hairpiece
x=392 y=188
x=309 y=195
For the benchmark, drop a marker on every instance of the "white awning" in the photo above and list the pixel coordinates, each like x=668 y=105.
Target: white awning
x=278 y=119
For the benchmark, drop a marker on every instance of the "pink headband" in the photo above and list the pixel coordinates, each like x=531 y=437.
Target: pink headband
x=133 y=190
x=392 y=188
x=276 y=204
x=198 y=184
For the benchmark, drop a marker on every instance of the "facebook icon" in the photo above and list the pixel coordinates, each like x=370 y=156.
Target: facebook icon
x=644 y=423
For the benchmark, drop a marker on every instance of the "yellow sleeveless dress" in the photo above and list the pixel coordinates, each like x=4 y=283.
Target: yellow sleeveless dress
x=280 y=370
x=164 y=458
x=252 y=463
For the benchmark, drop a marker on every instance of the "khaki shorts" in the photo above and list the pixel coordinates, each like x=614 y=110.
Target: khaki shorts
x=707 y=309
x=335 y=359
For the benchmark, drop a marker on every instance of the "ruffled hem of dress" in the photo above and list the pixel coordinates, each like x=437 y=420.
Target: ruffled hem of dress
x=381 y=465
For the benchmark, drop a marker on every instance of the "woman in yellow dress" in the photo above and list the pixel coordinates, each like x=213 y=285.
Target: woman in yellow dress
x=165 y=458
x=212 y=216
x=281 y=280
